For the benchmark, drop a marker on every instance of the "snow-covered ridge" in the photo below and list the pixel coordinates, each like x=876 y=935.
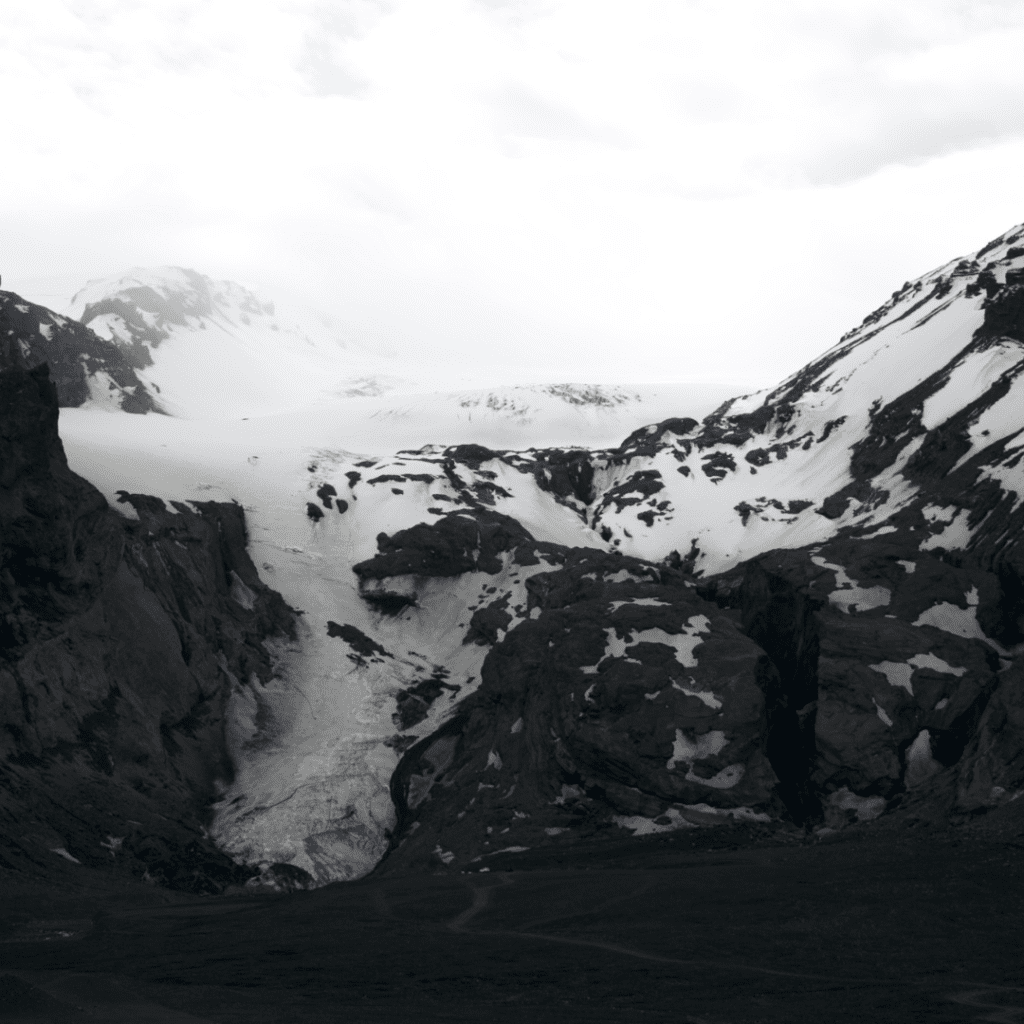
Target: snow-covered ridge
x=836 y=445
x=215 y=350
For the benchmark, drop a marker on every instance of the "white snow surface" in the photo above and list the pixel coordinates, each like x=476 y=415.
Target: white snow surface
x=234 y=355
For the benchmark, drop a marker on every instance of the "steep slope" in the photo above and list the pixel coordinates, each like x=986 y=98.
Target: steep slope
x=121 y=640
x=84 y=367
x=212 y=348
x=916 y=411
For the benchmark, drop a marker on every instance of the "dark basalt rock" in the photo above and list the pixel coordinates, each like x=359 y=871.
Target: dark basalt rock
x=460 y=542
x=550 y=751
x=840 y=721
x=414 y=702
x=362 y=646
x=821 y=690
x=120 y=643
x=31 y=335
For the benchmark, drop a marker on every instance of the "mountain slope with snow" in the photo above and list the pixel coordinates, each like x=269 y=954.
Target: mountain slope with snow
x=214 y=350
x=434 y=584
x=917 y=410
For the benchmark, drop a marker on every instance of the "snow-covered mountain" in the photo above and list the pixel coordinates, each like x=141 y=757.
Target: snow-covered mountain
x=805 y=605
x=918 y=409
x=214 y=350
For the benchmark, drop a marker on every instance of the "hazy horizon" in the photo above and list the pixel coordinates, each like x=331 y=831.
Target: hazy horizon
x=715 y=193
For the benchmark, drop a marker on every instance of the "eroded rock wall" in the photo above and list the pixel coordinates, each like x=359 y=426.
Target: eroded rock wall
x=120 y=642
x=822 y=687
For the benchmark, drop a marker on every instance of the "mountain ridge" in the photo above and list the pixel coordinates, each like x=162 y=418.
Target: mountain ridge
x=805 y=609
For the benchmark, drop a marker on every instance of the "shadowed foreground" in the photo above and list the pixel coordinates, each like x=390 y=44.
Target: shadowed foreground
x=873 y=925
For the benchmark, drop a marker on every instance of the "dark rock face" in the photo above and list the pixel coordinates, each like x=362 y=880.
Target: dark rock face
x=885 y=672
x=456 y=544
x=622 y=695
x=822 y=686
x=31 y=335
x=120 y=643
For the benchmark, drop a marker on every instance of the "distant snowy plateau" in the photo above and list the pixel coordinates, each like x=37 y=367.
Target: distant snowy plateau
x=512 y=629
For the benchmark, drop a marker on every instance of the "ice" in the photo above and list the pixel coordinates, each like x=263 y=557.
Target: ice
x=311 y=787
x=909 y=567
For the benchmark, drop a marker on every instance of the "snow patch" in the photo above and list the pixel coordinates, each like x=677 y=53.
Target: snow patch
x=706 y=696
x=897 y=672
x=953 y=619
x=644 y=602
x=880 y=711
x=866 y=808
x=848 y=596
x=921 y=766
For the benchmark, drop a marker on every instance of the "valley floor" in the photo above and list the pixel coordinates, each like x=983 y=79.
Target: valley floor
x=715 y=926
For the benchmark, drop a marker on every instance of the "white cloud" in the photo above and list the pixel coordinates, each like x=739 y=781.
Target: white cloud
x=714 y=188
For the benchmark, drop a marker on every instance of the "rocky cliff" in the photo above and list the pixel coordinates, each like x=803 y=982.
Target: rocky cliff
x=821 y=686
x=122 y=635
x=83 y=366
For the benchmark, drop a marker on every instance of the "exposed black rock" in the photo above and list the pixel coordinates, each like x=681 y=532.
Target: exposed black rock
x=458 y=543
x=120 y=643
x=31 y=335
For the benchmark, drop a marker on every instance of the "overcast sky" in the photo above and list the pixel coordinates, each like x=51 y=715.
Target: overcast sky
x=642 y=190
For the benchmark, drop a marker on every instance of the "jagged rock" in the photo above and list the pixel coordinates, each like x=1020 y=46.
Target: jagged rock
x=82 y=365
x=876 y=644
x=120 y=643
x=991 y=771
x=621 y=695
x=456 y=544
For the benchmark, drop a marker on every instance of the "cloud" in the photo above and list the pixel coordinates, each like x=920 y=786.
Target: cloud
x=522 y=113
x=669 y=178
x=326 y=77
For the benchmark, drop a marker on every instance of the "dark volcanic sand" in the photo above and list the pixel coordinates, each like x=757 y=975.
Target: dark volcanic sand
x=712 y=925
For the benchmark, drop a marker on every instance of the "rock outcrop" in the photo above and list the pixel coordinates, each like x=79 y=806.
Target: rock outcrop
x=82 y=365
x=821 y=686
x=121 y=638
